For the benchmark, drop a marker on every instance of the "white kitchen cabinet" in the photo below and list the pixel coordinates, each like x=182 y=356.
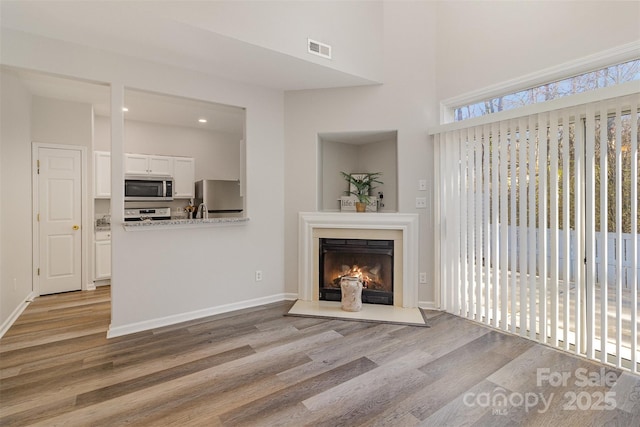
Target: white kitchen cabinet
x=103 y=255
x=136 y=164
x=161 y=165
x=184 y=173
x=144 y=164
x=102 y=174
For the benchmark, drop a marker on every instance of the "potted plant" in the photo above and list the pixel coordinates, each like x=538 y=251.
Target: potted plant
x=361 y=185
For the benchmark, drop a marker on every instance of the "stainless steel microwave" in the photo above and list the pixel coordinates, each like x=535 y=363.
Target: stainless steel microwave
x=148 y=188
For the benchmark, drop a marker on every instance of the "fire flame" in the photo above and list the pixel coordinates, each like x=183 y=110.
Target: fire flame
x=369 y=276
x=356 y=271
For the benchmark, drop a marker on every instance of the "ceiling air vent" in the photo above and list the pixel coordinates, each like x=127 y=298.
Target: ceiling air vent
x=319 y=49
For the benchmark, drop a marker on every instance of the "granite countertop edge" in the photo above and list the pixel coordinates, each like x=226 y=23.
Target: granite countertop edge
x=182 y=223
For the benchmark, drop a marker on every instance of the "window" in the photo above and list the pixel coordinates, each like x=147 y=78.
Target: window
x=538 y=226
x=604 y=77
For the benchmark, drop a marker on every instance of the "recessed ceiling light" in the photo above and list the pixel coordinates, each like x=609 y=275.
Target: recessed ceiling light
x=202 y=120
x=125 y=109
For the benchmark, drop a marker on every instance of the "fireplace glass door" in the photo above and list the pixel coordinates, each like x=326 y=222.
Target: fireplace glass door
x=369 y=260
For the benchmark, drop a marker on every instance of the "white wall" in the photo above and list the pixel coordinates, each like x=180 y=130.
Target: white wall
x=158 y=275
x=483 y=43
x=353 y=28
x=344 y=157
x=336 y=157
x=27 y=119
x=55 y=121
x=217 y=154
x=405 y=102
x=15 y=200
x=62 y=122
x=382 y=157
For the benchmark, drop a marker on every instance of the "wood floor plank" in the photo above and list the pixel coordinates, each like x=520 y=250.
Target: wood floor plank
x=140 y=405
x=9 y=372
x=442 y=338
x=51 y=320
x=40 y=413
x=352 y=390
x=368 y=405
x=260 y=410
x=463 y=409
x=26 y=387
x=461 y=370
x=527 y=364
x=48 y=337
x=627 y=390
x=33 y=354
x=160 y=377
x=259 y=367
x=449 y=376
x=342 y=351
x=205 y=394
x=159 y=364
x=205 y=405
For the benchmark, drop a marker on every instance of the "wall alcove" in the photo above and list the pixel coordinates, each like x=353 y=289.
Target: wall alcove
x=357 y=152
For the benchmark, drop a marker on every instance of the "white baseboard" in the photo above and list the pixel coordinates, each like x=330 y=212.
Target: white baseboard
x=428 y=305
x=16 y=313
x=211 y=311
x=197 y=314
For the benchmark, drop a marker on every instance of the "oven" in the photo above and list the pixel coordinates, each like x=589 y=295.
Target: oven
x=146 y=214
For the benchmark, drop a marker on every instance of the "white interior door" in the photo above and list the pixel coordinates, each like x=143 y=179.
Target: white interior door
x=60 y=214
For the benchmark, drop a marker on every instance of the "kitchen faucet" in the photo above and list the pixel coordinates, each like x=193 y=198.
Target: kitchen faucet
x=203 y=212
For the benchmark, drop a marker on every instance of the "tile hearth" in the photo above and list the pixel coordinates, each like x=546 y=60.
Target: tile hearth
x=369 y=312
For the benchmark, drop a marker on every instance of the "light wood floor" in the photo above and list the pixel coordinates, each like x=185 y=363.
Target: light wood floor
x=257 y=367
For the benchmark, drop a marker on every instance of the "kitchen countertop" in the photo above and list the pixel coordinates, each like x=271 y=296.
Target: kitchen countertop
x=182 y=223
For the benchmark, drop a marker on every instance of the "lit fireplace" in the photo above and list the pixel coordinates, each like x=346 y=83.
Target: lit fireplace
x=369 y=260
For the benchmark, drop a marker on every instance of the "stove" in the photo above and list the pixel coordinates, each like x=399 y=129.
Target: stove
x=146 y=214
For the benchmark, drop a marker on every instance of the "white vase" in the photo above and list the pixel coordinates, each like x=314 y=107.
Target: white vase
x=351 y=293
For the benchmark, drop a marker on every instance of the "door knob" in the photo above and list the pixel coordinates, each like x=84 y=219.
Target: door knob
x=76 y=227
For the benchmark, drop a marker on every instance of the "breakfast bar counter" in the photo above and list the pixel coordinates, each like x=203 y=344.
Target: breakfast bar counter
x=148 y=225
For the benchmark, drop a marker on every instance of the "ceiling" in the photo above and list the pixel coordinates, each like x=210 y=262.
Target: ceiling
x=153 y=30
x=167 y=38
x=142 y=106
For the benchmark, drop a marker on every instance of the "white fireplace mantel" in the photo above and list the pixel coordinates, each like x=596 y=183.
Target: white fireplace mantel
x=308 y=222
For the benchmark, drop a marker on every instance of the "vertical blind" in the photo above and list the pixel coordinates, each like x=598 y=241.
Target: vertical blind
x=537 y=228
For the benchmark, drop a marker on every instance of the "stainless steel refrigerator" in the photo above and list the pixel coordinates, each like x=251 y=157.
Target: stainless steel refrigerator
x=219 y=195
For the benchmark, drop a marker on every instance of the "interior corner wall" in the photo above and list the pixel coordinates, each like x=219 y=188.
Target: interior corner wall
x=336 y=157
x=481 y=44
x=405 y=102
x=382 y=157
x=350 y=158
x=15 y=196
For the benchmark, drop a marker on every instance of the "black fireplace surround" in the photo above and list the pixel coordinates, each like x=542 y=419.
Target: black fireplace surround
x=369 y=259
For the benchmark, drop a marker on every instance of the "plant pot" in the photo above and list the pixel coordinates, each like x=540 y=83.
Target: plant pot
x=361 y=207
